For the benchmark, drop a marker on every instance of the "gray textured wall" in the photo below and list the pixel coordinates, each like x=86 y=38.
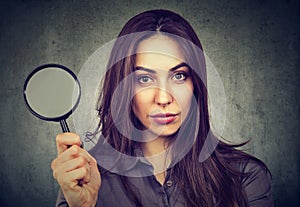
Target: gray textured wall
x=253 y=44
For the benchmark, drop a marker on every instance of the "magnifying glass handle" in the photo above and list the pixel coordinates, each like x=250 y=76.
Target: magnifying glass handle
x=64 y=125
x=65 y=128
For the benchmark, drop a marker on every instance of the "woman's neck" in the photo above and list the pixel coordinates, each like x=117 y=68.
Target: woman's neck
x=154 y=147
x=156 y=152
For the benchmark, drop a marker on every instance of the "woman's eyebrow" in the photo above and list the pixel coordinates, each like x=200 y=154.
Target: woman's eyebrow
x=145 y=69
x=171 y=69
x=183 y=64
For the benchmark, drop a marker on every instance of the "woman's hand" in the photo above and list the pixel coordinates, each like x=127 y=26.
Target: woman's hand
x=76 y=171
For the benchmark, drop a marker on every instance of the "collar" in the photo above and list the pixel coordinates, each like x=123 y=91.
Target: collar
x=112 y=161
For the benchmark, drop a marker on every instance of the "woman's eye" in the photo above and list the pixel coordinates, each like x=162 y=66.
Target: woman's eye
x=179 y=76
x=144 y=79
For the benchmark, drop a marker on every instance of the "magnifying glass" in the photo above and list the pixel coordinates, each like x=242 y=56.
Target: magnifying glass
x=52 y=92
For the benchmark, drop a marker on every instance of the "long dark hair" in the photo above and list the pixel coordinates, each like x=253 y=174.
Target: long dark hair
x=212 y=182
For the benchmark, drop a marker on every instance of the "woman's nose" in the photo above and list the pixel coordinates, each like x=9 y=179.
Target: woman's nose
x=163 y=97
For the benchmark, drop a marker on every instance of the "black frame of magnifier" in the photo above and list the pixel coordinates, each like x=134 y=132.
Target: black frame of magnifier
x=61 y=119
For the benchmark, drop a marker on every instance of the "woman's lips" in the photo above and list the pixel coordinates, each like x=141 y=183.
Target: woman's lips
x=164 y=118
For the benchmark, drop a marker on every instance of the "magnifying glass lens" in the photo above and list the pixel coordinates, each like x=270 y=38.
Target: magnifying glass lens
x=52 y=92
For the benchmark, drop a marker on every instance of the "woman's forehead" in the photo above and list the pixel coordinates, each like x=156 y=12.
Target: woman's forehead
x=156 y=61
x=159 y=51
x=160 y=44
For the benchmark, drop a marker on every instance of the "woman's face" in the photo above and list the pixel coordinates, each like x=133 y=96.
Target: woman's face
x=163 y=86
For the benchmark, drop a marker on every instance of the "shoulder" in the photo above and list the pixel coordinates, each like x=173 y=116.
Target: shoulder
x=255 y=176
x=256 y=181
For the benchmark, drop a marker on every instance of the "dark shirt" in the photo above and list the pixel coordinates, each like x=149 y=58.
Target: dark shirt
x=256 y=183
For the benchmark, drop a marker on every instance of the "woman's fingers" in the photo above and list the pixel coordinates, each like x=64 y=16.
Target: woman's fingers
x=65 y=140
x=75 y=170
x=72 y=171
x=71 y=179
x=74 y=164
x=71 y=159
x=73 y=152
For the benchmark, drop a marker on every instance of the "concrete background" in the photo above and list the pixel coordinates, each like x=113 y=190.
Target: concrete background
x=254 y=45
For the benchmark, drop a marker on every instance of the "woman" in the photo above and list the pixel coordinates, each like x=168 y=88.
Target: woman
x=153 y=107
